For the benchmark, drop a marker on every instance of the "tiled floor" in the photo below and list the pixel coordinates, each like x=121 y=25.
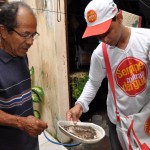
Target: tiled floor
x=101 y=145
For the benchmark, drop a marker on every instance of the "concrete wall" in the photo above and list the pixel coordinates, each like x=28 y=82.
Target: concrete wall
x=48 y=56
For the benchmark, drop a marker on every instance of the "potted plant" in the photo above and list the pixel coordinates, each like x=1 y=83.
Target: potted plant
x=77 y=83
x=37 y=94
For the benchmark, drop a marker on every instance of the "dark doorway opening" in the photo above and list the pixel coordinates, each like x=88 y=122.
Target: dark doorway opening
x=80 y=50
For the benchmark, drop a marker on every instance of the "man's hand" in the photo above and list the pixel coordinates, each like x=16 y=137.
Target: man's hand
x=74 y=113
x=31 y=125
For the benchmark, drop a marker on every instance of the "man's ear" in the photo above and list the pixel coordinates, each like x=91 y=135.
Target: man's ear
x=2 y=31
x=119 y=17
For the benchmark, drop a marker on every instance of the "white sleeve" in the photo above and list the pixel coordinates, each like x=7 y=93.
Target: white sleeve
x=88 y=94
x=96 y=75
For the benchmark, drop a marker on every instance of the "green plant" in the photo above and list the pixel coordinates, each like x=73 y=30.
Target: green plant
x=78 y=81
x=37 y=93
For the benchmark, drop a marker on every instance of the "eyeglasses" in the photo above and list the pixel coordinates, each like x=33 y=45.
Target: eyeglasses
x=27 y=35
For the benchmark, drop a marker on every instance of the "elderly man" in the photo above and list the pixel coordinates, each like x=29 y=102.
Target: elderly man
x=19 y=129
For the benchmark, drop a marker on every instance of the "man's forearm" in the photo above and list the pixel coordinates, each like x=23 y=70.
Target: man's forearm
x=10 y=120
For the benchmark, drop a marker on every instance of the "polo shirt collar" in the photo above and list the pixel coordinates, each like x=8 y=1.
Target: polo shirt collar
x=5 y=57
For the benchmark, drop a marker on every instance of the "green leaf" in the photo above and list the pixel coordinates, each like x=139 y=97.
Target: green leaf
x=38 y=90
x=135 y=24
x=35 y=97
x=37 y=114
x=77 y=84
x=32 y=71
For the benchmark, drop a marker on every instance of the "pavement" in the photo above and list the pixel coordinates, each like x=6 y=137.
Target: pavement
x=47 y=145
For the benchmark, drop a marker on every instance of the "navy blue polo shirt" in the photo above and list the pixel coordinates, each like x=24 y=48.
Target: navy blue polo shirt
x=15 y=99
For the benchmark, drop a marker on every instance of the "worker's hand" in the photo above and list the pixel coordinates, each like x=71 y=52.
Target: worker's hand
x=74 y=113
x=32 y=125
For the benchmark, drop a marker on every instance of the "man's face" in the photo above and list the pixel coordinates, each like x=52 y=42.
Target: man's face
x=113 y=35
x=19 y=40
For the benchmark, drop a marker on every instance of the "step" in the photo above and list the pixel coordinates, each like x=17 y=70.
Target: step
x=47 y=145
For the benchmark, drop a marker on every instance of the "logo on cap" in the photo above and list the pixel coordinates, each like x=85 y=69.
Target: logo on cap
x=91 y=16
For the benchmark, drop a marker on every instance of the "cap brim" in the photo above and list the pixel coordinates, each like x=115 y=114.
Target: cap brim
x=97 y=29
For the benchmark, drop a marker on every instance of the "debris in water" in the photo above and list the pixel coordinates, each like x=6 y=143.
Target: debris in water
x=84 y=132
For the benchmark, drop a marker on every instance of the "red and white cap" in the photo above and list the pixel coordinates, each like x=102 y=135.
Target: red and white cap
x=98 y=15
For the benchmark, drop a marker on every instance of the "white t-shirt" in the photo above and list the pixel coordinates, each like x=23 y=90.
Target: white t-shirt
x=131 y=75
